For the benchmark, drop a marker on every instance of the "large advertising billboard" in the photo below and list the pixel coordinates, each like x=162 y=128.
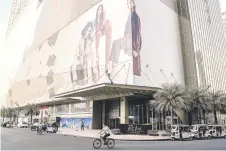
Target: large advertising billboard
x=120 y=41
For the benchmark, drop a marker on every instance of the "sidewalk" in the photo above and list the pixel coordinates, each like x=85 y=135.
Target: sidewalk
x=94 y=134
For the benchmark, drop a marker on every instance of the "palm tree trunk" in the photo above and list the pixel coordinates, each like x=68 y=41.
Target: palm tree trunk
x=31 y=116
x=215 y=116
x=164 y=119
x=160 y=120
x=171 y=115
x=204 y=116
x=199 y=121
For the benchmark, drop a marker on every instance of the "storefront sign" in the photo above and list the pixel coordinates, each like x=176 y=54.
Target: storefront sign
x=134 y=129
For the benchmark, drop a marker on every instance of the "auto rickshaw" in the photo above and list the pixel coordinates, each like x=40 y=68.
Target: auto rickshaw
x=217 y=131
x=200 y=131
x=181 y=132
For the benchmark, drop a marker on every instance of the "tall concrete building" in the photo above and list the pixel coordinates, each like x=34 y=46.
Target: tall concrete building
x=18 y=7
x=224 y=22
x=102 y=60
x=209 y=43
x=203 y=44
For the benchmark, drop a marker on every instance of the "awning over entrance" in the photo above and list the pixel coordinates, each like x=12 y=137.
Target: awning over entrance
x=108 y=90
x=57 y=101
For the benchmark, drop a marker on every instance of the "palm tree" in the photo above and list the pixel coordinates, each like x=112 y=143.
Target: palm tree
x=3 y=113
x=218 y=103
x=10 y=113
x=31 y=109
x=171 y=97
x=198 y=98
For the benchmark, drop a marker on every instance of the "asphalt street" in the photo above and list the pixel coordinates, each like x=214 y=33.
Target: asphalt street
x=25 y=139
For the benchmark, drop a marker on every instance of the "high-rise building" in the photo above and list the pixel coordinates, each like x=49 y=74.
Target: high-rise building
x=108 y=57
x=18 y=7
x=204 y=26
x=224 y=22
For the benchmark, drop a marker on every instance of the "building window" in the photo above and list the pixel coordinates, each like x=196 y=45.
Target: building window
x=83 y=106
x=51 y=109
x=62 y=108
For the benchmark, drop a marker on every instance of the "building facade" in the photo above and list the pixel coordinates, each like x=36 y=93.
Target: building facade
x=224 y=22
x=209 y=43
x=103 y=62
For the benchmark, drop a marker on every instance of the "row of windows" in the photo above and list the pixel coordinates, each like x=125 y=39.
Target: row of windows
x=84 y=106
x=17 y=8
x=208 y=41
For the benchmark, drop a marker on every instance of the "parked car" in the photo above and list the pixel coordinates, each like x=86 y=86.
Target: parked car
x=35 y=126
x=8 y=124
x=22 y=125
x=2 y=124
x=51 y=128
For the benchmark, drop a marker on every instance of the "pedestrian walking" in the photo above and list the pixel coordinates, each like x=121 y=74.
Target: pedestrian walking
x=82 y=126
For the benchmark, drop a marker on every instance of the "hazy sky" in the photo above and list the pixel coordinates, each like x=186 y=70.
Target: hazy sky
x=6 y=68
x=5 y=8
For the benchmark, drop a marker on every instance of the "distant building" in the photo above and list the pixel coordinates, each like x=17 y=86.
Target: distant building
x=224 y=22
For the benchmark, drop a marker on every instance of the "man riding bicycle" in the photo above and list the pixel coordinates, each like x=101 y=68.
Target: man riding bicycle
x=105 y=132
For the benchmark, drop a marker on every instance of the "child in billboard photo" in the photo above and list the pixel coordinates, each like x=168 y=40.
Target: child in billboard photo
x=103 y=28
x=131 y=42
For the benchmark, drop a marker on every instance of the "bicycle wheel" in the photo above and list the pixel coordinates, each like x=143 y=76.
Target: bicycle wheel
x=110 y=143
x=97 y=143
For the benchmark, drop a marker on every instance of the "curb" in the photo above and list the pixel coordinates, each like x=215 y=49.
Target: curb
x=168 y=139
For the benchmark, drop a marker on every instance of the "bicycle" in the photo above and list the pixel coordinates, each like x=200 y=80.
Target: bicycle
x=98 y=142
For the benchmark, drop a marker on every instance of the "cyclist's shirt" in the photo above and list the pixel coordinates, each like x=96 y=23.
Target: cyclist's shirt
x=106 y=130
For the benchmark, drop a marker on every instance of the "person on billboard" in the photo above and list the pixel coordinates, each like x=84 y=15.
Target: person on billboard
x=136 y=39
x=131 y=42
x=84 y=53
x=103 y=28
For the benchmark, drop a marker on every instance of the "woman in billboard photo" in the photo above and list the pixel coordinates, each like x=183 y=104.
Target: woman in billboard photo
x=84 y=54
x=103 y=28
x=131 y=42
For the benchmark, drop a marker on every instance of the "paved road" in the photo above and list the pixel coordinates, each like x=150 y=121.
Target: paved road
x=24 y=139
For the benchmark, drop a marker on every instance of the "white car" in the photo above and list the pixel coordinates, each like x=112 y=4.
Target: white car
x=22 y=125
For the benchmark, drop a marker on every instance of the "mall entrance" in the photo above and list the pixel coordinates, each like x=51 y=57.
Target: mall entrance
x=112 y=113
x=107 y=111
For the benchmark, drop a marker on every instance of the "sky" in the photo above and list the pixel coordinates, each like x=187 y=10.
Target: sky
x=5 y=9
x=6 y=68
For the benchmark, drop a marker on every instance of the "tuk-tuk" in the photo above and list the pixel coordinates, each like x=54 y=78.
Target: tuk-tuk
x=181 y=132
x=217 y=130
x=201 y=131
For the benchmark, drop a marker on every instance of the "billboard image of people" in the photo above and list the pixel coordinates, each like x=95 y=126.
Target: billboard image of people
x=119 y=41
x=76 y=123
x=98 y=52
